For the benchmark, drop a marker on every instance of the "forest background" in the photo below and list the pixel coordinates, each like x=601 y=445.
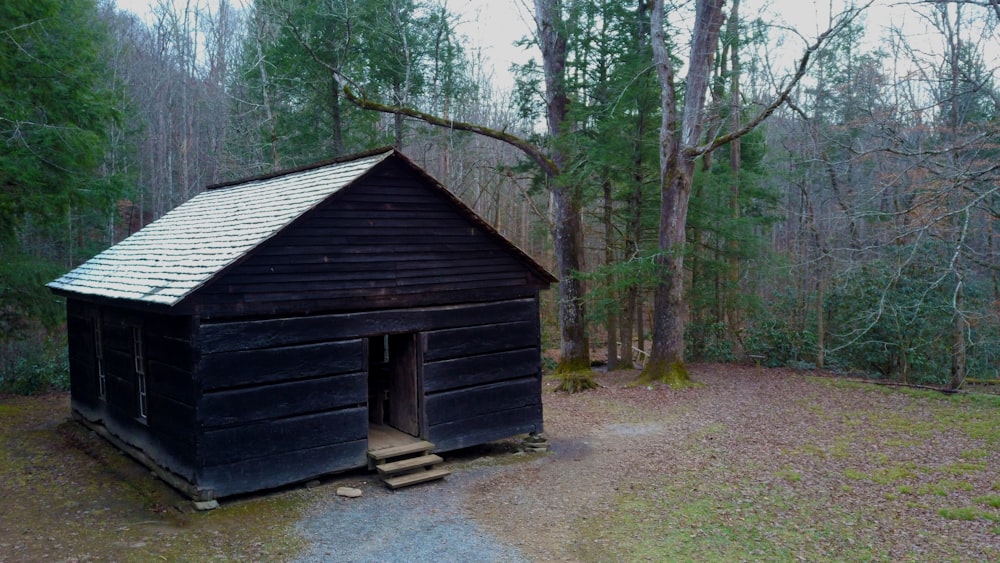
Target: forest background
x=854 y=229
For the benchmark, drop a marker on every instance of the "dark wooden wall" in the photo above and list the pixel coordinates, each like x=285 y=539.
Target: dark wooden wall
x=482 y=381
x=167 y=435
x=284 y=398
x=280 y=411
x=389 y=241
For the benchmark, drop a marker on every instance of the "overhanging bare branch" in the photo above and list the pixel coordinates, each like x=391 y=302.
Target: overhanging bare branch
x=532 y=151
x=800 y=72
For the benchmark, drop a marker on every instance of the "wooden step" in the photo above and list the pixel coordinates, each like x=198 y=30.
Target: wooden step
x=421 y=447
x=408 y=464
x=417 y=477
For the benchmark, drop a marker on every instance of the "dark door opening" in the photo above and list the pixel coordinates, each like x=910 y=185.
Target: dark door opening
x=393 y=386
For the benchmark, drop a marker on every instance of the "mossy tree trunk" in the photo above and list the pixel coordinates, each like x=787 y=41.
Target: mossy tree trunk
x=666 y=362
x=680 y=135
x=567 y=230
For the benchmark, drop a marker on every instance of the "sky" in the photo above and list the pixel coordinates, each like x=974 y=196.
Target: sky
x=493 y=26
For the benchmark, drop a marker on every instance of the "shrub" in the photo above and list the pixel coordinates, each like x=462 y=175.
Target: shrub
x=34 y=365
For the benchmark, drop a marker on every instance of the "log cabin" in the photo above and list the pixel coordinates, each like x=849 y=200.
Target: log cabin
x=266 y=331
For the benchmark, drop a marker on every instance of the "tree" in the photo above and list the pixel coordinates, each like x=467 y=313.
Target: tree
x=53 y=111
x=55 y=107
x=680 y=146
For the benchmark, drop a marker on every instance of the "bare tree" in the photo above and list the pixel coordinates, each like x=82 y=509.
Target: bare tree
x=680 y=146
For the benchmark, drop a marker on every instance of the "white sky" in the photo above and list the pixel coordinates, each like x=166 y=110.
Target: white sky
x=493 y=26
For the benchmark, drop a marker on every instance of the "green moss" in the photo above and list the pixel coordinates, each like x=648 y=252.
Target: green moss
x=674 y=374
x=575 y=381
x=577 y=365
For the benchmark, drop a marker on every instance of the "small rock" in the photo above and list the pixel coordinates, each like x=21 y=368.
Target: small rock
x=203 y=505
x=313 y=484
x=349 y=492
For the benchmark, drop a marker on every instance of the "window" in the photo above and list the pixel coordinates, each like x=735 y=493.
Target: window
x=140 y=370
x=102 y=382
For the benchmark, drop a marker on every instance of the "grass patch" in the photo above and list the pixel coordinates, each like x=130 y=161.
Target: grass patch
x=964 y=513
x=962 y=468
x=992 y=501
x=945 y=486
x=739 y=521
x=976 y=453
x=788 y=474
x=857 y=474
x=892 y=474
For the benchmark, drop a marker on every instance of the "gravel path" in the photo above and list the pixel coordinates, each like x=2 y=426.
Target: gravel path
x=421 y=523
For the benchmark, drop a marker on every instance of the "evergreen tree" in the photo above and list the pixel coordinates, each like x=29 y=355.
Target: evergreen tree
x=53 y=114
x=54 y=110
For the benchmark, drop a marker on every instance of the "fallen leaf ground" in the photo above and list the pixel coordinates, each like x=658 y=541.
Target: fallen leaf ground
x=748 y=465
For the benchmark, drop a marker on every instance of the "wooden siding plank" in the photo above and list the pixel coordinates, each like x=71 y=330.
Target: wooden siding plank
x=265 y=438
x=253 y=367
x=282 y=400
x=368 y=291
x=475 y=401
x=282 y=468
x=171 y=381
x=409 y=258
x=249 y=335
x=171 y=351
x=486 y=428
x=399 y=283
x=169 y=419
x=478 y=370
x=408 y=246
x=350 y=266
x=294 y=273
x=471 y=341
x=228 y=311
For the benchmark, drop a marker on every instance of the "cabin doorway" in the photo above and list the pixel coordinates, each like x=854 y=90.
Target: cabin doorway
x=393 y=382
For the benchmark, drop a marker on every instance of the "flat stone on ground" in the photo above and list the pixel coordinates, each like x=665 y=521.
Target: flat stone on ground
x=349 y=492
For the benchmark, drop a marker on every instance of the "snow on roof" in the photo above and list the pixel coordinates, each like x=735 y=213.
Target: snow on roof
x=178 y=253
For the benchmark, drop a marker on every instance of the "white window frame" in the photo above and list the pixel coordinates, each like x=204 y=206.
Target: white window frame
x=102 y=380
x=140 y=372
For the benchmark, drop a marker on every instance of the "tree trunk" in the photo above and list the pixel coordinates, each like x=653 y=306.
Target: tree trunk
x=337 y=135
x=958 y=352
x=567 y=230
x=609 y=258
x=732 y=310
x=666 y=363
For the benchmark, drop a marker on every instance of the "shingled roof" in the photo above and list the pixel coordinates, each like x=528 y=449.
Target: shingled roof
x=183 y=250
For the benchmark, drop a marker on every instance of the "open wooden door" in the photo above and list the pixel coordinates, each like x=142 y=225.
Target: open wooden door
x=404 y=386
